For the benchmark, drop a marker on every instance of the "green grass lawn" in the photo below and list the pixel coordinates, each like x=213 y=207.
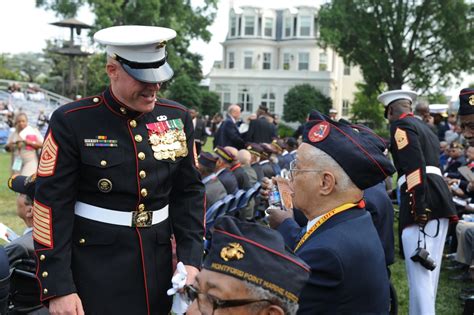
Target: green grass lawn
x=448 y=290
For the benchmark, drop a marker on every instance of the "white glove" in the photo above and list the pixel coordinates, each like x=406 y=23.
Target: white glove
x=180 y=303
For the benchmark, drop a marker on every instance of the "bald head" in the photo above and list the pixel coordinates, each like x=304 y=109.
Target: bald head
x=234 y=111
x=232 y=150
x=244 y=157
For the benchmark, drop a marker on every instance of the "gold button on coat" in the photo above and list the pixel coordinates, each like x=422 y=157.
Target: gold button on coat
x=141 y=207
x=133 y=123
x=103 y=163
x=95 y=99
x=142 y=174
x=44 y=274
x=82 y=241
x=144 y=192
x=141 y=156
x=45 y=291
x=138 y=138
x=42 y=257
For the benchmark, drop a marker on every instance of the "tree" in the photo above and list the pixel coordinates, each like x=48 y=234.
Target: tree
x=437 y=98
x=301 y=99
x=210 y=103
x=421 y=43
x=366 y=109
x=185 y=91
x=5 y=72
x=188 y=22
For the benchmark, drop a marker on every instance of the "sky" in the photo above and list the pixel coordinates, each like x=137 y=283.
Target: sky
x=25 y=28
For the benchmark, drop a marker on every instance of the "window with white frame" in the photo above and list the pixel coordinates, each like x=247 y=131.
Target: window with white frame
x=286 y=61
x=231 y=60
x=305 y=25
x=249 y=25
x=248 y=60
x=245 y=99
x=287 y=25
x=268 y=31
x=267 y=61
x=345 y=108
x=224 y=94
x=233 y=26
x=268 y=98
x=323 y=61
x=303 y=61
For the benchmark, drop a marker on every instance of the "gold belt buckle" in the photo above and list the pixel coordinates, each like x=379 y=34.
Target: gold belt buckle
x=142 y=218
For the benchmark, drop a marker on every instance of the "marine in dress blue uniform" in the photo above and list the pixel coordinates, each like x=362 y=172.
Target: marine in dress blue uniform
x=115 y=183
x=425 y=200
x=340 y=245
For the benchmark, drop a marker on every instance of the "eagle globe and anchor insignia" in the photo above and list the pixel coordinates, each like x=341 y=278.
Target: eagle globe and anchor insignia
x=233 y=251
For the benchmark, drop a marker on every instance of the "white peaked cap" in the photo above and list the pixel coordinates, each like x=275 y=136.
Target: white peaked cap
x=141 y=50
x=388 y=97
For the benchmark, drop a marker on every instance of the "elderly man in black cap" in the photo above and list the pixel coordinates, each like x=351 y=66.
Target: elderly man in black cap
x=223 y=172
x=117 y=178
x=425 y=200
x=214 y=189
x=333 y=166
x=248 y=271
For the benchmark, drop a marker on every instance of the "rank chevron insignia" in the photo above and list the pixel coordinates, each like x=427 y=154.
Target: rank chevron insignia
x=48 y=158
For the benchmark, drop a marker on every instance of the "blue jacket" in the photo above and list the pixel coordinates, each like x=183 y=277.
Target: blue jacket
x=229 y=181
x=348 y=272
x=228 y=135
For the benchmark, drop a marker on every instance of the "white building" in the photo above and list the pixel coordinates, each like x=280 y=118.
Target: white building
x=268 y=51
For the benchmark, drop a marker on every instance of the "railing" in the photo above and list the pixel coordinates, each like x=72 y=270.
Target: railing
x=51 y=98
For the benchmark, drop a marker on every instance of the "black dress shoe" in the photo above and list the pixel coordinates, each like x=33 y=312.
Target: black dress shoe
x=461 y=277
x=457 y=266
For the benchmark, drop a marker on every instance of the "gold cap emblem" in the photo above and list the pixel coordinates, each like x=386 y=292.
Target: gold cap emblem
x=233 y=251
x=471 y=100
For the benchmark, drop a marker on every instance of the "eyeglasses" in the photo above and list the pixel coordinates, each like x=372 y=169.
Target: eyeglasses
x=293 y=170
x=208 y=303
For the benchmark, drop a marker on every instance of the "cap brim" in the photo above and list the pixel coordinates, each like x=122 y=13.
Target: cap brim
x=151 y=75
x=17 y=184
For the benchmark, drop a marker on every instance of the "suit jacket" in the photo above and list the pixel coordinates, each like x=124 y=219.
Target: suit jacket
x=452 y=166
x=228 y=179
x=268 y=169
x=115 y=269
x=261 y=131
x=348 y=272
x=414 y=146
x=21 y=248
x=380 y=207
x=284 y=160
x=258 y=170
x=243 y=181
x=200 y=131
x=214 y=190
x=228 y=135
x=251 y=173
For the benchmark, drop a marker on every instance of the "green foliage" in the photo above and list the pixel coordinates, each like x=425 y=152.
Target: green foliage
x=188 y=22
x=185 y=91
x=5 y=72
x=29 y=66
x=437 y=98
x=210 y=103
x=285 y=131
x=420 y=43
x=301 y=99
x=366 y=109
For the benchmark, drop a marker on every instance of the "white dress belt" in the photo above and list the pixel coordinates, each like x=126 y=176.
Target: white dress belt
x=132 y=219
x=429 y=170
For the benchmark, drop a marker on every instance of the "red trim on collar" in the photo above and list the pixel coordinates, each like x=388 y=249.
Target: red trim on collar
x=404 y=115
x=264 y=247
x=85 y=107
x=236 y=166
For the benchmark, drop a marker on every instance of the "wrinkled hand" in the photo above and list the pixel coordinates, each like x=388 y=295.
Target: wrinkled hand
x=192 y=273
x=276 y=216
x=66 y=305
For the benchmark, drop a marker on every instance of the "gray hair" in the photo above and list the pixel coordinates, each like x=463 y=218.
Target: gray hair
x=260 y=293
x=324 y=162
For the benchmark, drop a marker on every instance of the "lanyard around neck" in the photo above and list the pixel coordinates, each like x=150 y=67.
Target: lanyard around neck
x=327 y=216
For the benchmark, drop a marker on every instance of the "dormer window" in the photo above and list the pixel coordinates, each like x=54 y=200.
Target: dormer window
x=233 y=26
x=288 y=23
x=249 y=24
x=268 y=31
x=305 y=25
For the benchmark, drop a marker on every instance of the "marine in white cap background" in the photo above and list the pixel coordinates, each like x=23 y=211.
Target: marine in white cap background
x=425 y=200
x=116 y=182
